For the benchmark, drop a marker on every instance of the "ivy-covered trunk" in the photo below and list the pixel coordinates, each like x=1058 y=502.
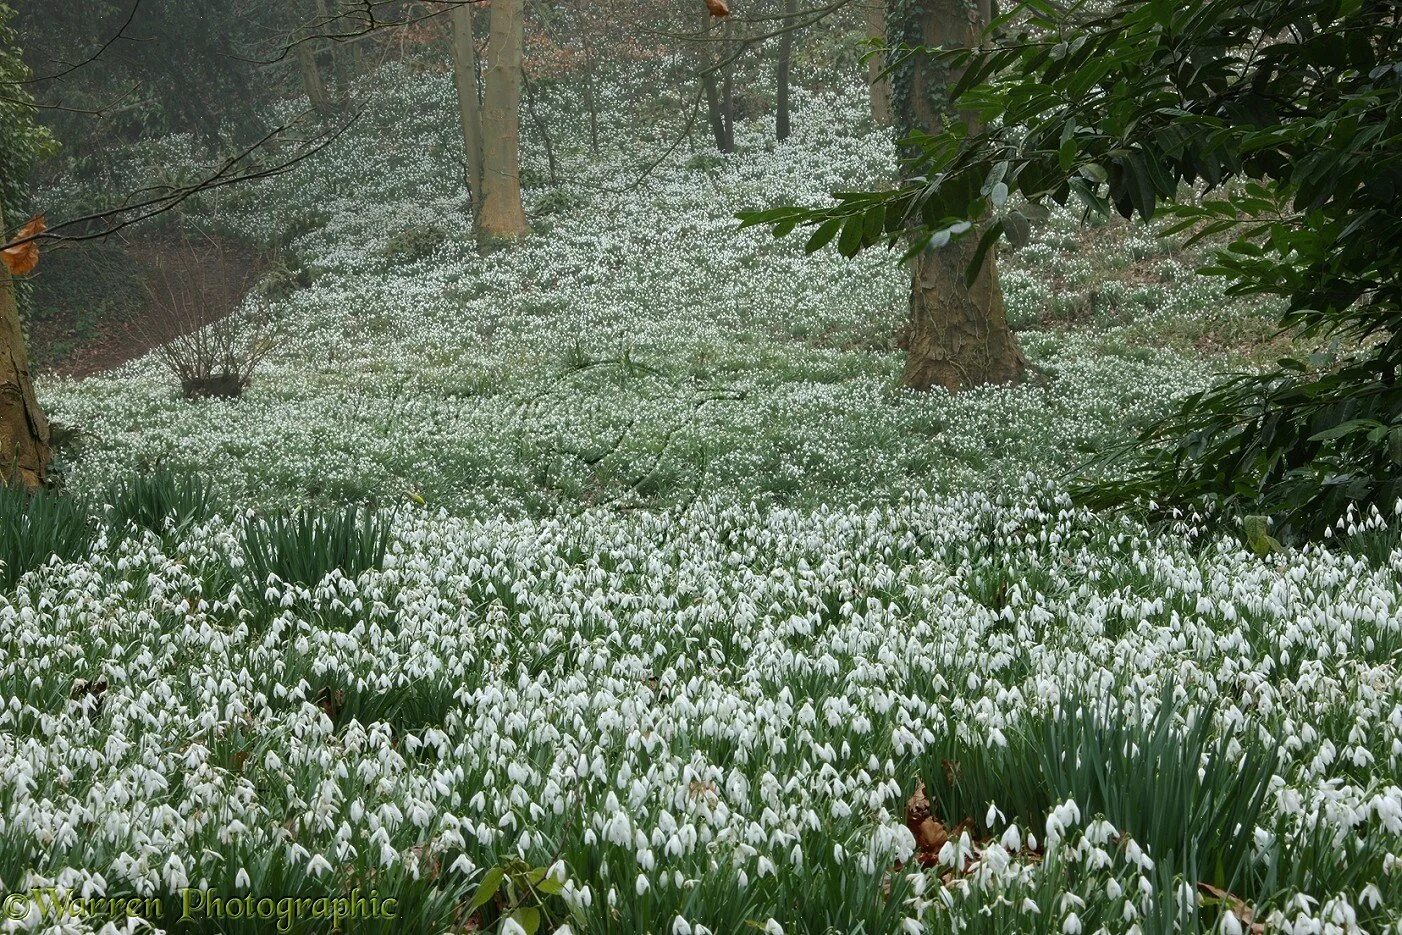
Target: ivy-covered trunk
x=957 y=335
x=24 y=432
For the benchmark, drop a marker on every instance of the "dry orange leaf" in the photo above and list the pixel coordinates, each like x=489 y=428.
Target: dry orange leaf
x=1244 y=913
x=718 y=8
x=23 y=258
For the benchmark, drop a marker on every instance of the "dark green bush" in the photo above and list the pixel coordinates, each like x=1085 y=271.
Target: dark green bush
x=304 y=547
x=36 y=527
x=414 y=243
x=150 y=500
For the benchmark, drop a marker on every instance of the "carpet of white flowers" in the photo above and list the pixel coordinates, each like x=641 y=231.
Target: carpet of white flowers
x=683 y=602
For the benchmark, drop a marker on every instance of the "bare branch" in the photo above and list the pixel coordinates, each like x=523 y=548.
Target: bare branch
x=235 y=170
x=68 y=70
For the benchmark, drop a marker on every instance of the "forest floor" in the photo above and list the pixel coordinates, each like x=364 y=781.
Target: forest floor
x=625 y=574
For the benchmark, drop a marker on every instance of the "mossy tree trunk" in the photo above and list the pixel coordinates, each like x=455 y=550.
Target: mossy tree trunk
x=501 y=214
x=24 y=432
x=957 y=335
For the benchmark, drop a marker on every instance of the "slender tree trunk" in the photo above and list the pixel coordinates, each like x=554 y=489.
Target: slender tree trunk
x=713 y=109
x=333 y=55
x=781 y=94
x=880 y=88
x=24 y=432
x=957 y=335
x=590 y=100
x=710 y=85
x=501 y=214
x=727 y=94
x=540 y=128
x=469 y=106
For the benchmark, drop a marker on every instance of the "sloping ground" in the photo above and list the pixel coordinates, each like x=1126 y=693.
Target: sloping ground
x=708 y=715
x=637 y=349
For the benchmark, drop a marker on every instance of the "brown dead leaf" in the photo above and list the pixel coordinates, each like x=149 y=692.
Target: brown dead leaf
x=930 y=834
x=718 y=8
x=23 y=258
x=1244 y=913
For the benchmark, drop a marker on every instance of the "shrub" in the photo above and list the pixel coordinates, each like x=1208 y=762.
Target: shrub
x=203 y=321
x=303 y=548
x=35 y=527
x=705 y=162
x=414 y=243
x=151 y=500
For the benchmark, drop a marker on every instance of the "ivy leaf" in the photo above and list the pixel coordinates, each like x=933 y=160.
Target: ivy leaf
x=1258 y=539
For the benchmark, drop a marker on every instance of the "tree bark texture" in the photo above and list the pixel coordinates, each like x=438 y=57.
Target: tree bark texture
x=957 y=335
x=781 y=91
x=311 y=78
x=879 y=87
x=24 y=432
x=469 y=105
x=501 y=214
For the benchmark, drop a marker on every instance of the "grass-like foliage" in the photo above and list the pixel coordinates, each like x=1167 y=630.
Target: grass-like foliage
x=35 y=527
x=160 y=499
x=304 y=547
x=1183 y=791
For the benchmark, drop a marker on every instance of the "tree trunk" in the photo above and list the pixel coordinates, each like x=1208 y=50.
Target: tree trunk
x=469 y=105
x=880 y=88
x=711 y=87
x=501 y=214
x=540 y=128
x=590 y=100
x=713 y=109
x=727 y=93
x=332 y=53
x=957 y=336
x=24 y=432
x=311 y=78
x=781 y=94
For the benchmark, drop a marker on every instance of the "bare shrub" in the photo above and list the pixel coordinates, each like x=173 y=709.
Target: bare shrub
x=204 y=321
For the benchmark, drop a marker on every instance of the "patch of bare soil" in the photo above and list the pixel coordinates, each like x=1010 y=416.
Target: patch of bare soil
x=99 y=307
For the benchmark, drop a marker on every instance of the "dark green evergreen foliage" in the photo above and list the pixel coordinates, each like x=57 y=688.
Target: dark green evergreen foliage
x=304 y=547
x=160 y=499
x=1288 y=114
x=22 y=141
x=176 y=66
x=35 y=527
